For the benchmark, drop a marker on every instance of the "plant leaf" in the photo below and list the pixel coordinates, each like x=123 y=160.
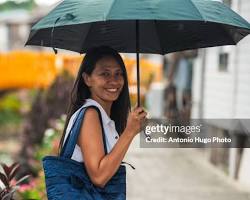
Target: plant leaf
x=22 y=179
x=6 y=169
x=9 y=195
x=2 y=193
x=4 y=179
x=15 y=167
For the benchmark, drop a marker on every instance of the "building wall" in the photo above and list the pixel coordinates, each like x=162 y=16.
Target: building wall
x=3 y=37
x=242 y=106
x=226 y=93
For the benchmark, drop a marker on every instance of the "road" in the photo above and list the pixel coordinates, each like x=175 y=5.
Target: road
x=177 y=174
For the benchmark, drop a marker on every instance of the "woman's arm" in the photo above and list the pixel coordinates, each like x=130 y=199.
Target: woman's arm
x=101 y=167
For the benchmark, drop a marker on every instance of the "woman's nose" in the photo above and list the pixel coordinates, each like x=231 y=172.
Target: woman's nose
x=115 y=78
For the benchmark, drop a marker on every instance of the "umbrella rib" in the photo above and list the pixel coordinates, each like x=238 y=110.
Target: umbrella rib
x=198 y=10
x=158 y=36
x=228 y=35
x=110 y=8
x=81 y=49
x=105 y=18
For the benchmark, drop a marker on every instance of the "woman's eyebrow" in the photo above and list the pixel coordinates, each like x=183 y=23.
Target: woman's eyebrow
x=110 y=68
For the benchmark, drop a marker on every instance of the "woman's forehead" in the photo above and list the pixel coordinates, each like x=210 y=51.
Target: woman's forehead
x=107 y=62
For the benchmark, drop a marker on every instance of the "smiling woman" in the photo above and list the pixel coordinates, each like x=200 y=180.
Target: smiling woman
x=98 y=132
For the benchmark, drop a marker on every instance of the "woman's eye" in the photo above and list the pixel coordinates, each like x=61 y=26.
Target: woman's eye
x=106 y=74
x=119 y=74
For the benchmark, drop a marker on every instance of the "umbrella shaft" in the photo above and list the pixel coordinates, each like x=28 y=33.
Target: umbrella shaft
x=138 y=62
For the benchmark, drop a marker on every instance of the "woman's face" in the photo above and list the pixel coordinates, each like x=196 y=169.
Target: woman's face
x=106 y=81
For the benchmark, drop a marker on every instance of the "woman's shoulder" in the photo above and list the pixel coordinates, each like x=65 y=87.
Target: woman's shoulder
x=90 y=102
x=90 y=115
x=91 y=112
x=91 y=109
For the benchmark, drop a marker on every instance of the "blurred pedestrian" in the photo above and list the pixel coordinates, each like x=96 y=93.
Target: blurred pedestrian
x=179 y=76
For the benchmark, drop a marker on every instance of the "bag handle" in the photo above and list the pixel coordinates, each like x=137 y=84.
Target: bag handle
x=70 y=143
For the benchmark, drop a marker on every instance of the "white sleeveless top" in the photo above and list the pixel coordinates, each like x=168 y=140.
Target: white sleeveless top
x=108 y=125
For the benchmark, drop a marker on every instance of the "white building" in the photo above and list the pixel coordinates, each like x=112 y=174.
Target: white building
x=221 y=89
x=15 y=26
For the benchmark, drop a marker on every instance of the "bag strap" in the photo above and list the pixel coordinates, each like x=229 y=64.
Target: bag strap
x=70 y=143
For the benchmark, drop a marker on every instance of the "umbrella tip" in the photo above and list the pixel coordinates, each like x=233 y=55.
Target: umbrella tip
x=55 y=50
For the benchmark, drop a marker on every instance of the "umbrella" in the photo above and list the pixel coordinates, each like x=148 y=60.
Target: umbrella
x=139 y=26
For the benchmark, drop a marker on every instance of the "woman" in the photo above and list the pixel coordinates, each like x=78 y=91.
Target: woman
x=102 y=82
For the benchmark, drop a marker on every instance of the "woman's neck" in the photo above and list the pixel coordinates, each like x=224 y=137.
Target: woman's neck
x=105 y=105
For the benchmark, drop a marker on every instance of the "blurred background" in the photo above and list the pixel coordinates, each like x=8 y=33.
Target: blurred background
x=210 y=83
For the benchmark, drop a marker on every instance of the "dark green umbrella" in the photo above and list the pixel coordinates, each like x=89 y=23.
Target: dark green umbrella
x=139 y=26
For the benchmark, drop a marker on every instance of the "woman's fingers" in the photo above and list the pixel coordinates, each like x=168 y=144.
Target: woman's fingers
x=142 y=117
x=136 y=120
x=138 y=110
x=143 y=114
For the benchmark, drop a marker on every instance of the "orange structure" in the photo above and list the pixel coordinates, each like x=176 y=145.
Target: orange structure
x=27 y=69
x=21 y=69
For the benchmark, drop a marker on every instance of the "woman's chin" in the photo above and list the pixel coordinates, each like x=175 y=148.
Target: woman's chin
x=111 y=98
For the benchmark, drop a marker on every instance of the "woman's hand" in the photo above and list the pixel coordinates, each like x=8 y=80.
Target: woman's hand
x=136 y=118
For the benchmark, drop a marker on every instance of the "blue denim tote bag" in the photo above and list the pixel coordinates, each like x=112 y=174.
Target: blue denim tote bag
x=67 y=179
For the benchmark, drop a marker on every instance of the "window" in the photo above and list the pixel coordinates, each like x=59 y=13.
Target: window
x=223 y=62
x=224 y=53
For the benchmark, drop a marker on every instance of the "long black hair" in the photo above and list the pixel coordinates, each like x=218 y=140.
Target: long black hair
x=80 y=92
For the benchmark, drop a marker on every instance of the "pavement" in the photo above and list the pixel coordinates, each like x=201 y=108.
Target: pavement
x=177 y=174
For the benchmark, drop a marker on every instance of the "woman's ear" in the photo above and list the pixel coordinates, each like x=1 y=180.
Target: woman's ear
x=86 y=79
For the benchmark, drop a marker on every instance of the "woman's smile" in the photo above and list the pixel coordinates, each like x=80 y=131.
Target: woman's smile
x=113 y=89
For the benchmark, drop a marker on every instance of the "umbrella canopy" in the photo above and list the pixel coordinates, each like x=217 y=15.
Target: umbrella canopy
x=141 y=26
x=164 y=25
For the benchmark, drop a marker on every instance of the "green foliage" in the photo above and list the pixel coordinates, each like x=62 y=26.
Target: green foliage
x=51 y=140
x=10 y=116
x=9 y=109
x=35 y=189
x=11 y=5
x=30 y=194
x=10 y=102
x=47 y=145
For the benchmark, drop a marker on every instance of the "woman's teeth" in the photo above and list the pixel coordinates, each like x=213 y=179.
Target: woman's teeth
x=112 y=90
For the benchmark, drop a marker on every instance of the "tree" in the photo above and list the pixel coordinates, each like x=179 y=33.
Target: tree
x=11 y=5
